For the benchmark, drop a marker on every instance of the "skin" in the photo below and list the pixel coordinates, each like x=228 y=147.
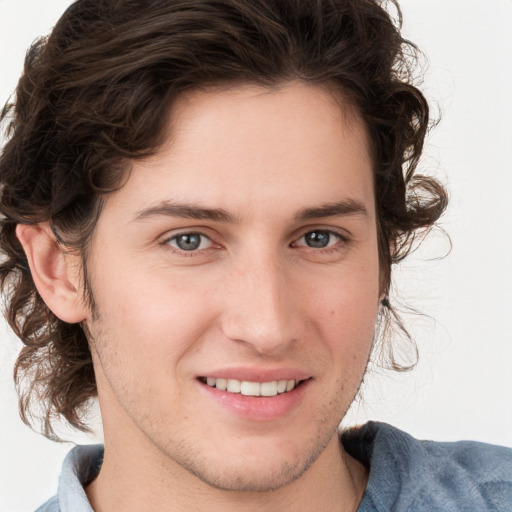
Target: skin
x=255 y=294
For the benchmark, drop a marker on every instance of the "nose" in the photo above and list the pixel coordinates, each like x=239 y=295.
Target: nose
x=262 y=307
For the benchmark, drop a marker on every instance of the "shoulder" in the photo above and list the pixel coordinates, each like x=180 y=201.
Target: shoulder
x=52 y=505
x=408 y=474
x=79 y=468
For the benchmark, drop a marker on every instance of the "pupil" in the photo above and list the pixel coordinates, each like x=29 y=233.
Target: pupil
x=318 y=239
x=188 y=242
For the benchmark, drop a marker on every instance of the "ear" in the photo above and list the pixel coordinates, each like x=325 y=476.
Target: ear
x=55 y=272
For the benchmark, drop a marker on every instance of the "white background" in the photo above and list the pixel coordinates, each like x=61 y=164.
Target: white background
x=463 y=383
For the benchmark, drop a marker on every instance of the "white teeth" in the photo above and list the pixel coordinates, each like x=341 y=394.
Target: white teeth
x=281 y=386
x=233 y=386
x=269 y=389
x=252 y=388
x=221 y=384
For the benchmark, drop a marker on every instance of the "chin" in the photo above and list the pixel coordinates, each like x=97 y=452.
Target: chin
x=258 y=478
x=262 y=469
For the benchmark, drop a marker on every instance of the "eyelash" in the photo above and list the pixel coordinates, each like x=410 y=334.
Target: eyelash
x=328 y=248
x=335 y=247
x=167 y=242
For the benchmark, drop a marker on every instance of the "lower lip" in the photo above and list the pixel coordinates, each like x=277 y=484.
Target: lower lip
x=252 y=408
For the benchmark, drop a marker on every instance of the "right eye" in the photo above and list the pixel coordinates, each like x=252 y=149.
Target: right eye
x=319 y=239
x=189 y=242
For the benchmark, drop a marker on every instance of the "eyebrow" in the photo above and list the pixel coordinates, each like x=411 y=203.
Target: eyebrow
x=337 y=209
x=191 y=211
x=187 y=211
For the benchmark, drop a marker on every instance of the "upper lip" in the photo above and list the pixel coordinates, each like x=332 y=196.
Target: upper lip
x=258 y=374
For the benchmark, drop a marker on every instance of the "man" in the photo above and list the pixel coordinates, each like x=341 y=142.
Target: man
x=202 y=204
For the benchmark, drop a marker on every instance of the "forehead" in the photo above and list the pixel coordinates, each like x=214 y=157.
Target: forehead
x=236 y=146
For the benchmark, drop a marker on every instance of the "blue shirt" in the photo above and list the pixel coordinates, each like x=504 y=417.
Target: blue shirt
x=405 y=474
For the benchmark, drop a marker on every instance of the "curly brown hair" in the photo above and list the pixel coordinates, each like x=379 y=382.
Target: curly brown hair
x=91 y=99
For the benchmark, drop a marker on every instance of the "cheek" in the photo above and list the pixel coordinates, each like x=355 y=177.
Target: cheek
x=153 y=317
x=345 y=312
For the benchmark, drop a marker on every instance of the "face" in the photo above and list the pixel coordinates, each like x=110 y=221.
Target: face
x=236 y=283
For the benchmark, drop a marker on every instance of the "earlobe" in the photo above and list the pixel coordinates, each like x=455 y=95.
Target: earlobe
x=54 y=271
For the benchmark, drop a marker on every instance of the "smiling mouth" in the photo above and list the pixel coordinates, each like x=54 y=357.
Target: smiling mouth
x=247 y=388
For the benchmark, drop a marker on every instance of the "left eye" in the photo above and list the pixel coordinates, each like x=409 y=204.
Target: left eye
x=190 y=242
x=319 y=239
